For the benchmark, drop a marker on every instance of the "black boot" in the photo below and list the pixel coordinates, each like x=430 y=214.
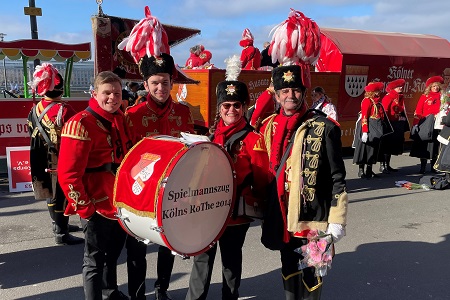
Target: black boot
x=292 y=289
x=369 y=172
x=383 y=168
x=161 y=295
x=361 y=171
x=387 y=158
x=423 y=164
x=432 y=163
x=61 y=231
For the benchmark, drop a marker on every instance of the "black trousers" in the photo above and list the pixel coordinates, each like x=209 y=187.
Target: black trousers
x=104 y=240
x=164 y=268
x=230 y=244
x=136 y=267
x=56 y=206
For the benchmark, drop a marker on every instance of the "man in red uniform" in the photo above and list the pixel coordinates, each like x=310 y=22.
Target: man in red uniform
x=158 y=115
x=93 y=143
x=45 y=122
x=250 y=55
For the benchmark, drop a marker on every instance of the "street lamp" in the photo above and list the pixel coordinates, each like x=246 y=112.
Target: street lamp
x=2 y=36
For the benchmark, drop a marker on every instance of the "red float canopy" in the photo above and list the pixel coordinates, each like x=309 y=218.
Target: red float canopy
x=44 y=50
x=339 y=44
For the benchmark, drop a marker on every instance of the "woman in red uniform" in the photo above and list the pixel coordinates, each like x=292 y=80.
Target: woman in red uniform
x=249 y=155
x=366 y=141
x=394 y=106
x=428 y=104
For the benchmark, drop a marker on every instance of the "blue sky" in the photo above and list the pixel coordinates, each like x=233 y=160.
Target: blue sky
x=222 y=22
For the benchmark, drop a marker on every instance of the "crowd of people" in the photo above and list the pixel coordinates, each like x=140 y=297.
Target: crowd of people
x=383 y=122
x=282 y=153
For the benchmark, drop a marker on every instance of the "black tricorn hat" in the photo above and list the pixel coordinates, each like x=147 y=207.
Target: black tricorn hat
x=232 y=90
x=149 y=66
x=287 y=77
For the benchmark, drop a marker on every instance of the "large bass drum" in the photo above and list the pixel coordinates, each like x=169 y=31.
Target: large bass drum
x=175 y=194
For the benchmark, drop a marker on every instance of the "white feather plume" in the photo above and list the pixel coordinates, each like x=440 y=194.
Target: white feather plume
x=233 y=68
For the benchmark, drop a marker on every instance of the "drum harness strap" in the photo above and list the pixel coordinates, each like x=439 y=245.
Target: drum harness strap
x=109 y=167
x=228 y=147
x=37 y=122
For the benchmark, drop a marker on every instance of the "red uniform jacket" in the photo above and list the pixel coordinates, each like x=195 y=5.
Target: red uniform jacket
x=394 y=105
x=250 y=58
x=427 y=104
x=370 y=109
x=143 y=121
x=250 y=157
x=86 y=144
x=193 y=61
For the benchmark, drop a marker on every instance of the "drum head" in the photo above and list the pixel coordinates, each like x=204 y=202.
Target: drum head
x=197 y=199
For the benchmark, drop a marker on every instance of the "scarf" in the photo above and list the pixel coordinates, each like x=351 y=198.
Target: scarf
x=224 y=132
x=162 y=113
x=278 y=136
x=119 y=131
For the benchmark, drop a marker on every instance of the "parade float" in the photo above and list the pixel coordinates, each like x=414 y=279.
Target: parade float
x=349 y=59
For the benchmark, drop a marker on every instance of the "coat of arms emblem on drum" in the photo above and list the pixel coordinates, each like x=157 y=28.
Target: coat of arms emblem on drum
x=143 y=170
x=355 y=79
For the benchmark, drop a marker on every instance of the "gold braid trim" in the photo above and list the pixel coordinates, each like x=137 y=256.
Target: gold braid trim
x=260 y=145
x=291 y=275
x=313 y=288
x=268 y=132
x=75 y=130
x=75 y=197
x=299 y=189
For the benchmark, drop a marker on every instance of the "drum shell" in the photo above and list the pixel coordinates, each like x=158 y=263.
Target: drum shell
x=179 y=170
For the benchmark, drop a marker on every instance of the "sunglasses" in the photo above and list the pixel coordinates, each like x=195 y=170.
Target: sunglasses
x=236 y=105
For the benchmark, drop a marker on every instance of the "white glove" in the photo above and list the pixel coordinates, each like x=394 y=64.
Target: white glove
x=337 y=231
x=364 y=137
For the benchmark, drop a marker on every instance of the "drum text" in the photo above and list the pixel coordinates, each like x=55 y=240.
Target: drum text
x=177 y=195
x=223 y=203
x=194 y=208
x=174 y=212
x=201 y=207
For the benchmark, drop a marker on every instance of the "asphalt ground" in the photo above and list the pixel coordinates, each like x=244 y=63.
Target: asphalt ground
x=397 y=247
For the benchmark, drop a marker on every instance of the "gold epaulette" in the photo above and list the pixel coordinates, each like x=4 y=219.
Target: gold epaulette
x=75 y=130
x=260 y=144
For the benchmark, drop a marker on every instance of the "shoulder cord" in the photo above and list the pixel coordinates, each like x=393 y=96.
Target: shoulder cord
x=38 y=120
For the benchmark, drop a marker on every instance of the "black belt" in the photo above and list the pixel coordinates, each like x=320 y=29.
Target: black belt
x=106 y=167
